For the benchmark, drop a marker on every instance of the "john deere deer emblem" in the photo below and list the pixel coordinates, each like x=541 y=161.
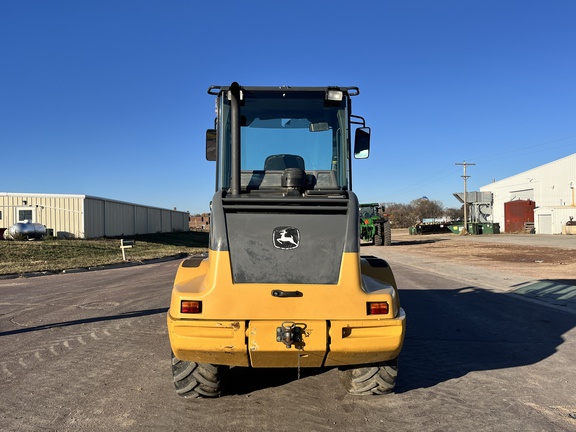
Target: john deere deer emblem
x=286 y=237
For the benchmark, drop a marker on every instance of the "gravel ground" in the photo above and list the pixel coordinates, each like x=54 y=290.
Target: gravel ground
x=534 y=256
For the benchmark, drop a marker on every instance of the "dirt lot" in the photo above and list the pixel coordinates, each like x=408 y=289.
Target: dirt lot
x=498 y=252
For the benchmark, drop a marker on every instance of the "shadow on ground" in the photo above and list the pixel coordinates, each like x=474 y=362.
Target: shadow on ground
x=49 y=326
x=560 y=292
x=415 y=242
x=244 y=381
x=451 y=333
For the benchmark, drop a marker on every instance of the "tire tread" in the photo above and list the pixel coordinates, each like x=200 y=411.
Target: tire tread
x=376 y=379
x=194 y=380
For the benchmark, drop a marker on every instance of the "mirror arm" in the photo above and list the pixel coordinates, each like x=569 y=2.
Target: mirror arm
x=359 y=121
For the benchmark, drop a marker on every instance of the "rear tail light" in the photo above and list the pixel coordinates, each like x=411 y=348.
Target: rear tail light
x=377 y=308
x=190 y=306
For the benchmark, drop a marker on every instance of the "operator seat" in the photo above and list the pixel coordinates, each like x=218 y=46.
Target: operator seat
x=283 y=161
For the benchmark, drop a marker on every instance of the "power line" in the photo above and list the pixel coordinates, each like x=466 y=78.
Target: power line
x=429 y=179
x=543 y=146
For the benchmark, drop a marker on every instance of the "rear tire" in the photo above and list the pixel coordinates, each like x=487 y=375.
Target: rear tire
x=387 y=231
x=378 y=240
x=374 y=379
x=196 y=380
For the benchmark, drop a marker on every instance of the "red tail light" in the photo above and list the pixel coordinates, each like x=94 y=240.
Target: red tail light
x=190 y=306
x=377 y=308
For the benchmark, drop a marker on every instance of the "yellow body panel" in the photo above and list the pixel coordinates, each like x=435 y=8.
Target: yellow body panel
x=237 y=325
x=216 y=342
x=266 y=351
x=366 y=341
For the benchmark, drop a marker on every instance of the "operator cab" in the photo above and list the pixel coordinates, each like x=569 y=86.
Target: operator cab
x=292 y=141
x=368 y=211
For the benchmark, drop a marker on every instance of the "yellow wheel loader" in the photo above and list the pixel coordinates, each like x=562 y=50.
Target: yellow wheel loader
x=284 y=284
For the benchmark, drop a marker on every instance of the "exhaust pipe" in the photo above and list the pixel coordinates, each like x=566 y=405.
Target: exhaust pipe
x=234 y=96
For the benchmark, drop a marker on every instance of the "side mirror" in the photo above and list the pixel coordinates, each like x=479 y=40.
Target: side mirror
x=211 y=145
x=362 y=143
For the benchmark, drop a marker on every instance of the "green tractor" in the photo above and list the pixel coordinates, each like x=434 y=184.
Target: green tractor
x=374 y=225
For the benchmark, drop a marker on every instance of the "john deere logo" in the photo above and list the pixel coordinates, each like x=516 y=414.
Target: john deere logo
x=286 y=238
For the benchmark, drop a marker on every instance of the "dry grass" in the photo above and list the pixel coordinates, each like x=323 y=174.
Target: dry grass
x=55 y=255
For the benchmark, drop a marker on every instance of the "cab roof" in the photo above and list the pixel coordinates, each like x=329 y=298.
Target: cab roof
x=350 y=91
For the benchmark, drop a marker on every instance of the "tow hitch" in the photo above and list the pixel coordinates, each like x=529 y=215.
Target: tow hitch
x=291 y=333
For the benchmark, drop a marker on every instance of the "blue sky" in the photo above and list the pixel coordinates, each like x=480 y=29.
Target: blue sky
x=108 y=98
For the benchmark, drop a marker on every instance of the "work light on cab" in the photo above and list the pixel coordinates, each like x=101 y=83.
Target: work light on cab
x=334 y=95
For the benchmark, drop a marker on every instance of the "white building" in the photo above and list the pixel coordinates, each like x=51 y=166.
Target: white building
x=550 y=186
x=83 y=216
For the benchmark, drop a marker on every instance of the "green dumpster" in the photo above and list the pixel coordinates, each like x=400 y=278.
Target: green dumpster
x=490 y=228
x=474 y=228
x=456 y=228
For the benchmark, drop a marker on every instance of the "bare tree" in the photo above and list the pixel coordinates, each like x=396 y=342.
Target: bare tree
x=425 y=208
x=401 y=215
x=406 y=215
x=455 y=213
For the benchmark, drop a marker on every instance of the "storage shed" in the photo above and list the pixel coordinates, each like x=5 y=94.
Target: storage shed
x=84 y=216
x=551 y=185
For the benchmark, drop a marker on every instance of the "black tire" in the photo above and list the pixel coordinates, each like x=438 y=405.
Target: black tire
x=387 y=231
x=196 y=380
x=378 y=240
x=374 y=379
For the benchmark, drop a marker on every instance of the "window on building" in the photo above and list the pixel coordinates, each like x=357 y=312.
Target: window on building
x=25 y=215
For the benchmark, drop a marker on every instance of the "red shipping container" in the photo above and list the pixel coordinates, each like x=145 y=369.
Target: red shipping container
x=516 y=213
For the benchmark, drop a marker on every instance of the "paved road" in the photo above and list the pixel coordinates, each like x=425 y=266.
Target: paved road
x=89 y=351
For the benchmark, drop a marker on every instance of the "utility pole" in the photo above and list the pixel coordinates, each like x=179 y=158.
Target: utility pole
x=465 y=177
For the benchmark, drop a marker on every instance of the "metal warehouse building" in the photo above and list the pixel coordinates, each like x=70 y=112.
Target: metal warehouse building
x=550 y=187
x=83 y=216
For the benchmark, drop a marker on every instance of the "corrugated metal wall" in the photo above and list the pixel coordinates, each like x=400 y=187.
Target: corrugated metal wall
x=94 y=221
x=109 y=218
x=119 y=219
x=80 y=216
x=154 y=220
x=64 y=214
x=141 y=219
x=166 y=221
